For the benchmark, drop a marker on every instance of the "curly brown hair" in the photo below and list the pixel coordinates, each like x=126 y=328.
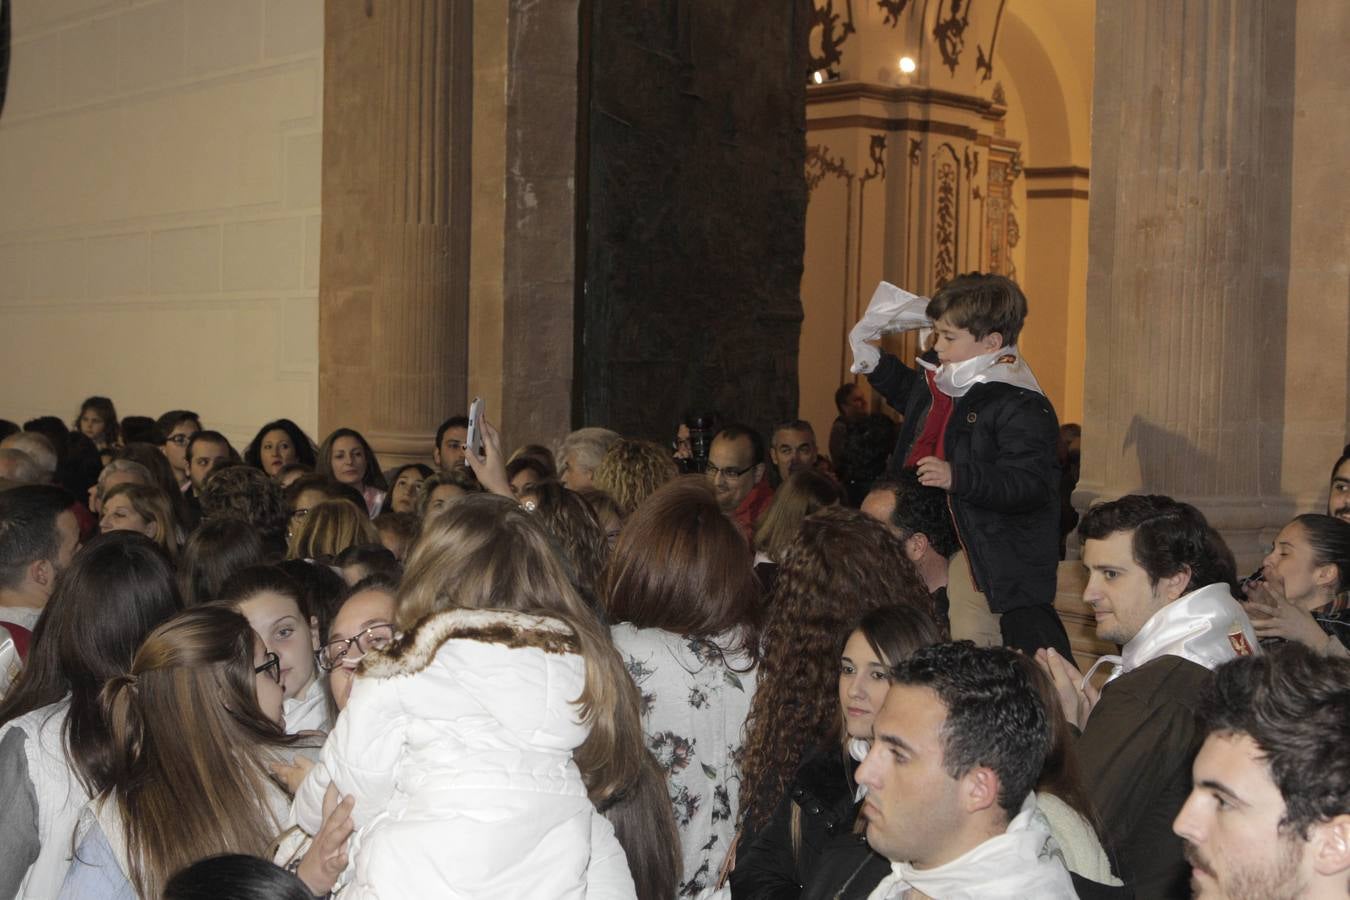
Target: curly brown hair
x=841 y=565
x=632 y=470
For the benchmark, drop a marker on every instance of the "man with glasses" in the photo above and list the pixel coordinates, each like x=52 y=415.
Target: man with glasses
x=177 y=426
x=736 y=471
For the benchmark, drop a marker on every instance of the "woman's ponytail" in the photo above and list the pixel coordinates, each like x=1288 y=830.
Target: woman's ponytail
x=126 y=726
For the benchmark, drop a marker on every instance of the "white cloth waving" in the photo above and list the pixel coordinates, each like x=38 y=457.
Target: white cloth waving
x=891 y=309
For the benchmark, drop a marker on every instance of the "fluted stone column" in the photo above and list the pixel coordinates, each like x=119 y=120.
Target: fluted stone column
x=1189 y=229
x=393 y=291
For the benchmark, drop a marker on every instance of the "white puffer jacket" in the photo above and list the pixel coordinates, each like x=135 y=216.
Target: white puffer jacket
x=457 y=746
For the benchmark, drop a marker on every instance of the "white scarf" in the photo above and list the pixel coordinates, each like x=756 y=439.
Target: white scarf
x=1004 y=365
x=1206 y=626
x=1023 y=862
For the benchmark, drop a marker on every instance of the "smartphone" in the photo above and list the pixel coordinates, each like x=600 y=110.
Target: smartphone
x=475 y=436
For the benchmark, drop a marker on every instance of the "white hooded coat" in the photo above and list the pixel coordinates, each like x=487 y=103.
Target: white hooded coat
x=457 y=747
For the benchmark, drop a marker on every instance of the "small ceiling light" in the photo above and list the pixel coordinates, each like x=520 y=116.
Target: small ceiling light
x=907 y=65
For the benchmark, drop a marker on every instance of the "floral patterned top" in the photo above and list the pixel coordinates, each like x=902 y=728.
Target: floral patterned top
x=695 y=698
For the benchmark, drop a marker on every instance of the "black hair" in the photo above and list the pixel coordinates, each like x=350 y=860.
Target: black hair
x=214 y=437
x=995 y=716
x=1344 y=458
x=253 y=580
x=982 y=304
x=1169 y=537
x=238 y=877
x=868 y=443
x=53 y=429
x=842 y=394
x=304 y=447
x=920 y=509
x=116 y=591
x=376 y=559
x=175 y=417
x=896 y=631
x=1329 y=538
x=533 y=463
x=734 y=431
x=423 y=470
x=1294 y=703
x=323 y=589
x=7 y=428
x=106 y=411
x=452 y=422
x=324 y=464
x=28 y=530
x=142 y=429
x=215 y=551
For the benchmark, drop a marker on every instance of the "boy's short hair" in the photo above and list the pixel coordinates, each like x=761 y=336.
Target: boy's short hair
x=982 y=304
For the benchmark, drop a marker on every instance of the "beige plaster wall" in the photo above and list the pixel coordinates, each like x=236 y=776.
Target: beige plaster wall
x=159 y=227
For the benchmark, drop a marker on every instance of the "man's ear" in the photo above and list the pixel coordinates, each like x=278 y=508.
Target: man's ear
x=42 y=572
x=1330 y=846
x=436 y=456
x=992 y=341
x=916 y=545
x=979 y=788
x=1174 y=586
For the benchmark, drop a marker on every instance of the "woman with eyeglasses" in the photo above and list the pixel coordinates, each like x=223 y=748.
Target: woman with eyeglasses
x=275 y=606
x=194 y=725
x=364 y=623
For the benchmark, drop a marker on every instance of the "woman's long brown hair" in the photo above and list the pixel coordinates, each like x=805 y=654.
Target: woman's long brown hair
x=188 y=744
x=486 y=552
x=841 y=565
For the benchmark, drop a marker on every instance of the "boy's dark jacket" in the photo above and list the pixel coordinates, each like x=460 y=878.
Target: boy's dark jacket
x=1000 y=442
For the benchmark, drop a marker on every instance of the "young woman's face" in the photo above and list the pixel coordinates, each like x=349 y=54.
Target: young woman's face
x=403 y=495
x=92 y=425
x=349 y=461
x=366 y=610
x=120 y=515
x=269 y=689
x=1292 y=562
x=863 y=685
x=276 y=450
x=441 y=497
x=277 y=618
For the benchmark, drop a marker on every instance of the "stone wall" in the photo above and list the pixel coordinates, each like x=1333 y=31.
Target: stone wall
x=159 y=209
x=695 y=213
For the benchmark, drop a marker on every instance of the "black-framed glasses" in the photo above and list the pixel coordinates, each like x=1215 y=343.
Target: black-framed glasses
x=179 y=439
x=271 y=665
x=335 y=653
x=731 y=472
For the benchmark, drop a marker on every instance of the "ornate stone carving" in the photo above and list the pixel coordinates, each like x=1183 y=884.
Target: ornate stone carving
x=946 y=203
x=876 y=152
x=819 y=164
x=826 y=22
x=892 y=9
x=949 y=30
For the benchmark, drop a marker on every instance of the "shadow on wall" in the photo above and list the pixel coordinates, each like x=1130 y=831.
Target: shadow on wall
x=1162 y=455
x=4 y=52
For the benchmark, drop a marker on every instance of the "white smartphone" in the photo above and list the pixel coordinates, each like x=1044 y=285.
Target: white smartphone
x=475 y=436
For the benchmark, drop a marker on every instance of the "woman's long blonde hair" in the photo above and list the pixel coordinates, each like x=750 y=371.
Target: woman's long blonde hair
x=188 y=749
x=487 y=552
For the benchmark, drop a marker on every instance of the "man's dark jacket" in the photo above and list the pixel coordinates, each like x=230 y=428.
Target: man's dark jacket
x=1000 y=442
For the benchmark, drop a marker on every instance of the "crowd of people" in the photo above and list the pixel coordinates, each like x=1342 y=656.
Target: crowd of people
x=613 y=668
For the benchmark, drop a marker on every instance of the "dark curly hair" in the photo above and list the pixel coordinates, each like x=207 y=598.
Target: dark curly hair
x=576 y=532
x=841 y=565
x=995 y=715
x=304 y=447
x=1292 y=702
x=244 y=492
x=1169 y=537
x=921 y=510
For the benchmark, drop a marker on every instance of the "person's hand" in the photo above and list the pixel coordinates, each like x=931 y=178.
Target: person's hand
x=290 y=774
x=934 y=472
x=326 y=858
x=1075 y=702
x=490 y=467
x=1272 y=615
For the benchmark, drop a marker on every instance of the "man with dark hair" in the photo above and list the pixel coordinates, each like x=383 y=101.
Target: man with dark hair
x=1269 y=811
x=736 y=471
x=1160 y=583
x=918 y=516
x=957 y=748
x=178 y=426
x=38 y=538
x=851 y=404
x=206 y=451
x=452 y=440
x=1338 y=501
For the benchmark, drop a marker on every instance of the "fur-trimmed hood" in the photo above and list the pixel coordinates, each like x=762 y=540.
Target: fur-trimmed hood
x=414 y=651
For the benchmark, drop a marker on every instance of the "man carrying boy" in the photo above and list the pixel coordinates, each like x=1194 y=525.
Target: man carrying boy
x=978 y=426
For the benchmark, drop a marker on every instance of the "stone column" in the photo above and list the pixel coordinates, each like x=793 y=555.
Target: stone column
x=1185 y=341
x=393 y=288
